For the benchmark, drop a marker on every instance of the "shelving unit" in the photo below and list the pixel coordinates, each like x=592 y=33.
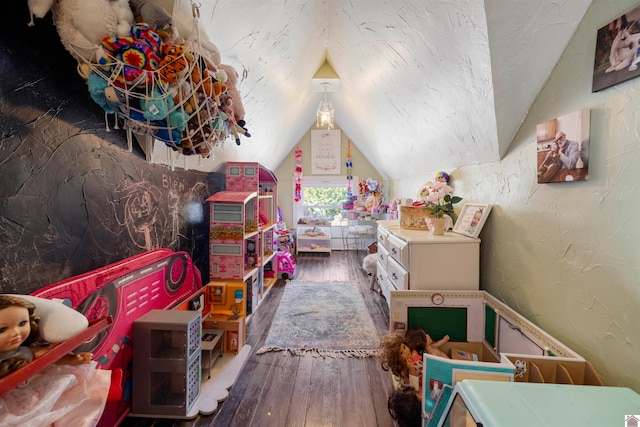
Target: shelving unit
x=313 y=238
x=166 y=356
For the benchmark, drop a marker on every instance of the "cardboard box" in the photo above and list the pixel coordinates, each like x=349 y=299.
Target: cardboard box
x=473 y=351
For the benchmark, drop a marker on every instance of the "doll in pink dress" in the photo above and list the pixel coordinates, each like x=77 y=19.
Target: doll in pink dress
x=70 y=392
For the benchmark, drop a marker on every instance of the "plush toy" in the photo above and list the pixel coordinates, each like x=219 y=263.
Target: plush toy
x=156 y=106
x=152 y=14
x=97 y=90
x=232 y=89
x=82 y=24
x=130 y=58
x=174 y=65
x=39 y=8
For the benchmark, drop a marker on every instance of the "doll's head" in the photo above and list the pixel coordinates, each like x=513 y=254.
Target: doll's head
x=404 y=407
x=18 y=327
x=18 y=322
x=391 y=355
x=416 y=339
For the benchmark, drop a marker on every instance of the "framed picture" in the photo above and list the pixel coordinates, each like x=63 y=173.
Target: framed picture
x=325 y=152
x=472 y=219
x=617 y=59
x=563 y=155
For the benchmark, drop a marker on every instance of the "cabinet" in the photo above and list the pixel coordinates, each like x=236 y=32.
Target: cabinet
x=416 y=259
x=166 y=361
x=313 y=238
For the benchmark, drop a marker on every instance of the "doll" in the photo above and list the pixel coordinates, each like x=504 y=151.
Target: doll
x=433 y=347
x=405 y=407
x=70 y=392
x=392 y=359
x=19 y=336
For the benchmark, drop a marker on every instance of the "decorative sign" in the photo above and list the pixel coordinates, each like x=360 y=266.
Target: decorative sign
x=325 y=152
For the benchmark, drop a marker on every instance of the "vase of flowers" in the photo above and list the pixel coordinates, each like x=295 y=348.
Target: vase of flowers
x=439 y=203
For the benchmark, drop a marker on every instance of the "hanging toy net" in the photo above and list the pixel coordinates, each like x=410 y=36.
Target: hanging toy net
x=161 y=85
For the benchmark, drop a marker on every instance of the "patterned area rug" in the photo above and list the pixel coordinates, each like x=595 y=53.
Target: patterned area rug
x=326 y=319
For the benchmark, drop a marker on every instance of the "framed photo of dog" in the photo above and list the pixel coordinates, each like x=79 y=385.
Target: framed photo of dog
x=617 y=57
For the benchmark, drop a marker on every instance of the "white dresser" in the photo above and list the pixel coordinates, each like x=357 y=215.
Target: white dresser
x=416 y=259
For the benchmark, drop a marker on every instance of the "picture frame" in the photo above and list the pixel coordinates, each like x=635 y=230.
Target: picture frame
x=616 y=54
x=472 y=219
x=563 y=155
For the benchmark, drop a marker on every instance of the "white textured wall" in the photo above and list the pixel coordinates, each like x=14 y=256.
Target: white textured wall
x=567 y=255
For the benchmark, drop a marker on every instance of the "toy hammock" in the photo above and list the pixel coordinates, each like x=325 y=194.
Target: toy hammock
x=158 y=82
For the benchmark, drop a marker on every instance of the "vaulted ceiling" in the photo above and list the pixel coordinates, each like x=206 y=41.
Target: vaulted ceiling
x=424 y=84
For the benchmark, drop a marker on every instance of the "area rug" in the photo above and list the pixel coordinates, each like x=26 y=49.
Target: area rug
x=327 y=319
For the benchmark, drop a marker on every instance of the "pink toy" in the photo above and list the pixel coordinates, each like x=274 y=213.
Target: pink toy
x=286 y=265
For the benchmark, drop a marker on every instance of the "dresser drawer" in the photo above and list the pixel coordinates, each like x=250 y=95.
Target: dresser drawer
x=398 y=250
x=382 y=235
x=381 y=272
x=382 y=256
x=385 y=290
x=397 y=275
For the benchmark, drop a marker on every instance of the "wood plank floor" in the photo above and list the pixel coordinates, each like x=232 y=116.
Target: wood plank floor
x=277 y=390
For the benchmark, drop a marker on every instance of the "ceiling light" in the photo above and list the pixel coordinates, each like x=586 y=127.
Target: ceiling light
x=325 y=110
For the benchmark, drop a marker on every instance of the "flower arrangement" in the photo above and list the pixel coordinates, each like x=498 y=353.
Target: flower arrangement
x=370 y=194
x=438 y=200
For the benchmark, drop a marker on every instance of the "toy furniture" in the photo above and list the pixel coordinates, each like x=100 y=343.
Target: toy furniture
x=416 y=259
x=166 y=361
x=313 y=238
x=486 y=336
x=125 y=290
x=502 y=404
x=242 y=233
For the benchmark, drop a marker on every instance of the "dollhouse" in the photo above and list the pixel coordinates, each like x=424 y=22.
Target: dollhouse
x=242 y=249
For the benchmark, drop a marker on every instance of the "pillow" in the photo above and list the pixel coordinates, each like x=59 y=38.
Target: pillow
x=57 y=321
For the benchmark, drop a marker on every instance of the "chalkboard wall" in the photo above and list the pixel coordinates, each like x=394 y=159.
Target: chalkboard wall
x=72 y=197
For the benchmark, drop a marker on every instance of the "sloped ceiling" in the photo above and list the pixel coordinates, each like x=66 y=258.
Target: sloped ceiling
x=424 y=84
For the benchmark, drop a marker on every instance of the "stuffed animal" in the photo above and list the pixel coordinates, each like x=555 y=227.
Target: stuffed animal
x=152 y=14
x=174 y=65
x=38 y=8
x=82 y=24
x=97 y=90
x=232 y=89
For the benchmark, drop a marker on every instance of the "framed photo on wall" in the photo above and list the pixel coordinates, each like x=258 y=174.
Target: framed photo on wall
x=472 y=219
x=617 y=58
x=563 y=155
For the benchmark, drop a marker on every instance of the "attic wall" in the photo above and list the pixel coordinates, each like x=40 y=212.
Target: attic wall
x=565 y=255
x=72 y=197
x=361 y=168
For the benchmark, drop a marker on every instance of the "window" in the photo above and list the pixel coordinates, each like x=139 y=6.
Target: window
x=322 y=196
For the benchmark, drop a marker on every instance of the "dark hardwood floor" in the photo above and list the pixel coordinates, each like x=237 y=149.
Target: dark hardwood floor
x=276 y=390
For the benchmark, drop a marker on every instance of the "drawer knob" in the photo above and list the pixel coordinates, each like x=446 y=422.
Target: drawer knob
x=395 y=277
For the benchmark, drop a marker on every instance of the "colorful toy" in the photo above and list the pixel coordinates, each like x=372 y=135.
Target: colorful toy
x=286 y=265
